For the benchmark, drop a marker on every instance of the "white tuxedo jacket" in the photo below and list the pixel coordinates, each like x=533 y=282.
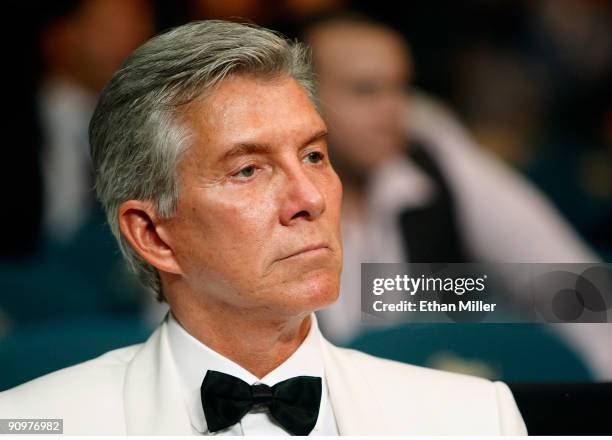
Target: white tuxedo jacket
x=136 y=390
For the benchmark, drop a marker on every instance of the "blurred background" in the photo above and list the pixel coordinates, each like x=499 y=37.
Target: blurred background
x=462 y=130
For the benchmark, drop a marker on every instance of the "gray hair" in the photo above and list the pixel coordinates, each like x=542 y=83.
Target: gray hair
x=135 y=135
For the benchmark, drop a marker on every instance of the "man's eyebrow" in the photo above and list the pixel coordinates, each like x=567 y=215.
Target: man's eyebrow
x=246 y=148
x=316 y=137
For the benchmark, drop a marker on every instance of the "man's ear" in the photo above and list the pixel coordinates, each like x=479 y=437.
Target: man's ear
x=139 y=223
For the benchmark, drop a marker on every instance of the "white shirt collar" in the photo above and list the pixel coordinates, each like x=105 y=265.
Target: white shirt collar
x=397 y=184
x=194 y=359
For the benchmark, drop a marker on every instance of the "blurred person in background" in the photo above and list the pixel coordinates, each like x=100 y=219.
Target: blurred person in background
x=417 y=187
x=69 y=52
x=82 y=46
x=61 y=278
x=531 y=80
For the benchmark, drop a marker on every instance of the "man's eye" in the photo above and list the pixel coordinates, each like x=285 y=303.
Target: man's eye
x=246 y=172
x=315 y=157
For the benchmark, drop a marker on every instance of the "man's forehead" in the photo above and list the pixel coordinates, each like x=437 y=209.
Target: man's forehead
x=248 y=96
x=247 y=110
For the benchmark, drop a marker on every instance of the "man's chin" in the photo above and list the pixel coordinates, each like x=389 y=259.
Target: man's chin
x=316 y=292
x=323 y=292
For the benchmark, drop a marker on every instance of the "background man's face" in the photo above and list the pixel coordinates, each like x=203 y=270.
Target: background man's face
x=257 y=224
x=91 y=44
x=363 y=74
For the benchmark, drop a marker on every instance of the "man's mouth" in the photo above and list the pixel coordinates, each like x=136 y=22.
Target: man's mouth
x=311 y=249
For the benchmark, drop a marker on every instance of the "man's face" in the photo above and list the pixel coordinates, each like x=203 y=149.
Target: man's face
x=257 y=223
x=364 y=73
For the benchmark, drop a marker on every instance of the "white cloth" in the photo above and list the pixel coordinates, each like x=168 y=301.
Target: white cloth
x=502 y=216
x=194 y=359
x=137 y=391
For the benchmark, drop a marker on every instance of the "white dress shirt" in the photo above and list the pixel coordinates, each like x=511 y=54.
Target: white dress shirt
x=193 y=359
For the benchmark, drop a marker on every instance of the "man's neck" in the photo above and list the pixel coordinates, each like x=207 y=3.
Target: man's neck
x=269 y=343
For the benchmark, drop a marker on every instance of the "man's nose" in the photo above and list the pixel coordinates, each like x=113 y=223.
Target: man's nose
x=303 y=198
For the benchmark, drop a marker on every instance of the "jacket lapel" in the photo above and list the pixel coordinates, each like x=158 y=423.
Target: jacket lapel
x=154 y=404
x=356 y=406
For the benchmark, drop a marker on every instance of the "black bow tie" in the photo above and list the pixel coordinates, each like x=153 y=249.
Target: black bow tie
x=293 y=403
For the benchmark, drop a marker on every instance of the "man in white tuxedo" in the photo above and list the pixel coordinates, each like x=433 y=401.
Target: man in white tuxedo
x=211 y=162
